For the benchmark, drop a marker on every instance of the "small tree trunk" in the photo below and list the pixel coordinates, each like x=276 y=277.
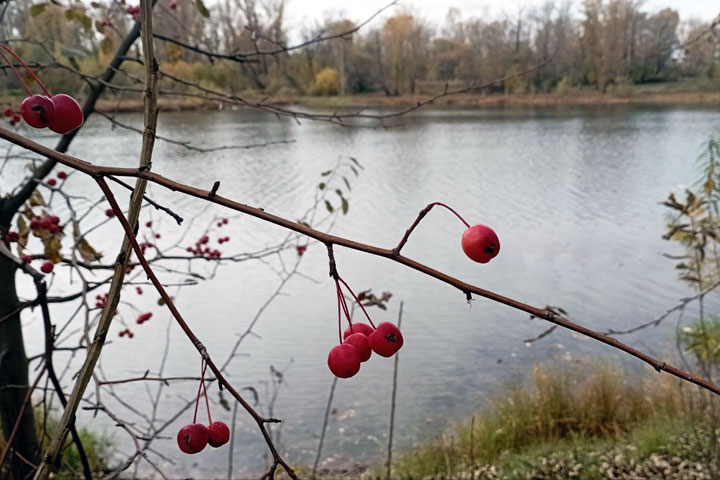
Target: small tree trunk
x=14 y=375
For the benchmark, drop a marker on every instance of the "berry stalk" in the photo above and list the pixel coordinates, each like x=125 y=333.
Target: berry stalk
x=32 y=74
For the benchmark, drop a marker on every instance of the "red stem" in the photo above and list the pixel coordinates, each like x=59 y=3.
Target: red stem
x=339 y=302
x=357 y=300
x=203 y=366
x=207 y=402
x=453 y=211
x=27 y=89
x=32 y=74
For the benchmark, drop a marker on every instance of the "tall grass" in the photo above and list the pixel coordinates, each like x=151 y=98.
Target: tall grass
x=562 y=405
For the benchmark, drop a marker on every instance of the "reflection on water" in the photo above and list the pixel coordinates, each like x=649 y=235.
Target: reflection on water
x=573 y=194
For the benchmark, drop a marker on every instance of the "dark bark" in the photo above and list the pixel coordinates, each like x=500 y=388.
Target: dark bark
x=14 y=375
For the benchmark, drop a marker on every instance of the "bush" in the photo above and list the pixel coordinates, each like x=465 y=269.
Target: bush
x=327 y=82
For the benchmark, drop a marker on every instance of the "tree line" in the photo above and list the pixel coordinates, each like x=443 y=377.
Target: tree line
x=610 y=42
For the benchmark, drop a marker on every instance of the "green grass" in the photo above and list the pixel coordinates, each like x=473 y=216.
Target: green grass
x=570 y=416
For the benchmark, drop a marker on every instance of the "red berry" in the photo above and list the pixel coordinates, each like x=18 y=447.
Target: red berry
x=363 y=328
x=37 y=111
x=344 y=361
x=62 y=175
x=26 y=258
x=34 y=224
x=54 y=219
x=12 y=237
x=9 y=112
x=148 y=223
x=219 y=224
x=122 y=333
x=480 y=243
x=225 y=221
x=173 y=6
x=138 y=290
x=157 y=235
x=16 y=118
x=386 y=339
x=360 y=341
x=130 y=334
x=68 y=114
x=52 y=182
x=301 y=249
x=47 y=267
x=193 y=438
x=218 y=434
x=110 y=213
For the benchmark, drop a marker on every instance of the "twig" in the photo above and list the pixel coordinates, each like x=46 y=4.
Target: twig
x=392 y=402
x=318 y=455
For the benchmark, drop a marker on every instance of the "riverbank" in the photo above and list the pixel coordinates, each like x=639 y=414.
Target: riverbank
x=570 y=422
x=679 y=94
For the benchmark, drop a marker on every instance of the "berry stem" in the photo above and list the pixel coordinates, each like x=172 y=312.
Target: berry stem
x=453 y=211
x=421 y=215
x=339 y=302
x=27 y=89
x=207 y=402
x=357 y=300
x=32 y=74
x=203 y=367
x=343 y=303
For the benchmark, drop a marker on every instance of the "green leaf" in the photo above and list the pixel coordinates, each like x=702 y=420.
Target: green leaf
x=202 y=8
x=80 y=17
x=95 y=5
x=339 y=192
x=329 y=206
x=354 y=160
x=37 y=9
x=345 y=205
x=106 y=46
x=321 y=186
x=347 y=183
x=73 y=61
x=326 y=173
x=354 y=171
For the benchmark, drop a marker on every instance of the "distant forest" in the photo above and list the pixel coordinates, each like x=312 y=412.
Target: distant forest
x=608 y=43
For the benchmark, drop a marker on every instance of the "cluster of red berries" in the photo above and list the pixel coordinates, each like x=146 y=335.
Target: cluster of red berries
x=204 y=251
x=127 y=332
x=134 y=12
x=222 y=240
x=360 y=339
x=51 y=223
x=60 y=113
x=194 y=437
x=300 y=249
x=100 y=300
x=143 y=317
x=139 y=290
x=14 y=117
x=222 y=222
x=11 y=237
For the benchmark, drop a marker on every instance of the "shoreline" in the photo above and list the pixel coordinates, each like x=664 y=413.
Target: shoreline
x=579 y=98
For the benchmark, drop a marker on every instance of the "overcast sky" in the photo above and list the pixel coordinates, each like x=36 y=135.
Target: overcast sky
x=299 y=11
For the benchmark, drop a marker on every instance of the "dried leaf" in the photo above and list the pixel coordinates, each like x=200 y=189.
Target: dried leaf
x=52 y=247
x=36 y=199
x=23 y=234
x=87 y=252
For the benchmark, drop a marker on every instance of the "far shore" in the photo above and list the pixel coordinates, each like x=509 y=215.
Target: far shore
x=632 y=96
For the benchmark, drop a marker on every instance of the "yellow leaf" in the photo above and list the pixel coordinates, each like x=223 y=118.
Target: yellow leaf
x=87 y=252
x=36 y=199
x=23 y=234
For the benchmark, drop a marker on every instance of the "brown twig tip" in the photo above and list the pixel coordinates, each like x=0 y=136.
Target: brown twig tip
x=214 y=189
x=331 y=261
